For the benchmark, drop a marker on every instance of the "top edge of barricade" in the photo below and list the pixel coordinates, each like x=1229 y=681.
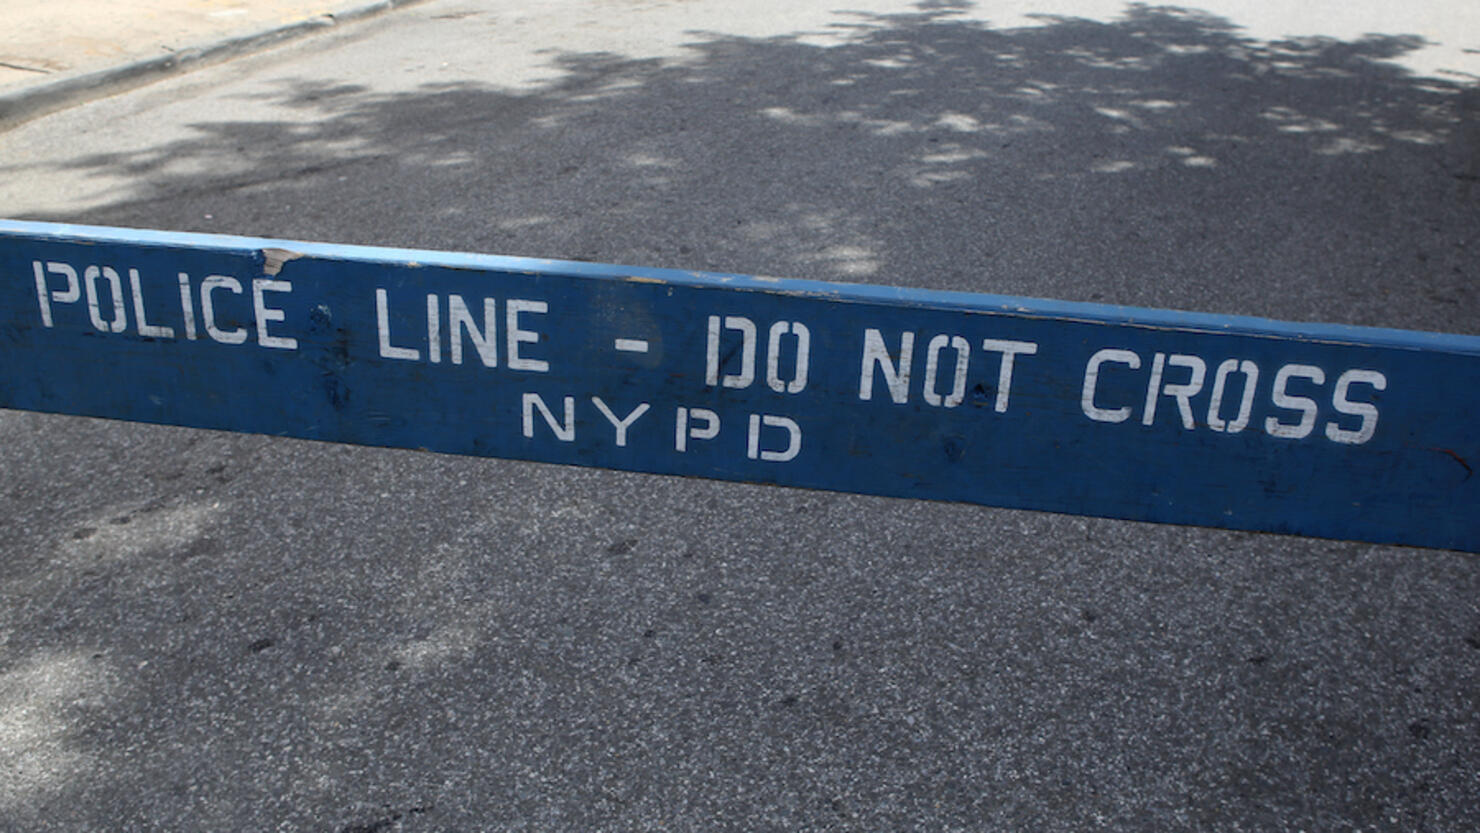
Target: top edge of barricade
x=276 y=251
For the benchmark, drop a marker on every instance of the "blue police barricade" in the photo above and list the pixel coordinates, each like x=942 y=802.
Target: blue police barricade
x=1242 y=423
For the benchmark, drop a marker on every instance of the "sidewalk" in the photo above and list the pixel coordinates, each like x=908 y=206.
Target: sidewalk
x=54 y=53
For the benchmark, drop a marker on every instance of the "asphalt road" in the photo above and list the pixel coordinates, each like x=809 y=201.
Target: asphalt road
x=219 y=632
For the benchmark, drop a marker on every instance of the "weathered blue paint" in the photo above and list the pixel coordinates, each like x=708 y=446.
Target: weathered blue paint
x=1387 y=457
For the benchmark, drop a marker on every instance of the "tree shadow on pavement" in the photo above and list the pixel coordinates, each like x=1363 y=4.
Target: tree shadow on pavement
x=1160 y=160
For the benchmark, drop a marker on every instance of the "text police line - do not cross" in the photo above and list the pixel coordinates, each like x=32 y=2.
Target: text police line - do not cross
x=1150 y=415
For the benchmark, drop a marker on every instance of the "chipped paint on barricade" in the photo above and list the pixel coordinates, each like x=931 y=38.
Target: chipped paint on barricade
x=1174 y=417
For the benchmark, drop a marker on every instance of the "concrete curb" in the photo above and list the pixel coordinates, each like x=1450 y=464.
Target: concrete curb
x=36 y=100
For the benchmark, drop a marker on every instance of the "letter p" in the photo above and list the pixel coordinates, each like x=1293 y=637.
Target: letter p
x=45 y=296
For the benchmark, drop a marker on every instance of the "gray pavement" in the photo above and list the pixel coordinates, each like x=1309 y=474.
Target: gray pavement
x=209 y=631
x=57 y=55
